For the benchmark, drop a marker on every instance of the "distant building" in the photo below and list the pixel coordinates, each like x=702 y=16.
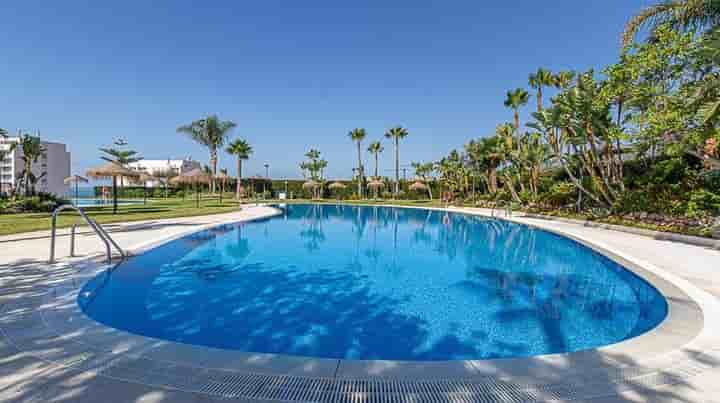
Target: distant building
x=154 y=167
x=52 y=167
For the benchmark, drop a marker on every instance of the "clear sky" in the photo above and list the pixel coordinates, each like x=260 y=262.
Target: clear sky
x=292 y=74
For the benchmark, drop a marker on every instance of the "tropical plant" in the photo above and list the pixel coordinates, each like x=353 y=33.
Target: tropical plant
x=31 y=149
x=242 y=150
x=396 y=134
x=683 y=15
x=515 y=99
x=538 y=80
x=375 y=148
x=424 y=172
x=358 y=135
x=212 y=133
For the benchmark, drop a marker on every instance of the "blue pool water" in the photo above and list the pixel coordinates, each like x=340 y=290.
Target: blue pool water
x=376 y=283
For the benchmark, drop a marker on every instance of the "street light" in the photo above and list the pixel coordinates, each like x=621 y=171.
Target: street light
x=267 y=178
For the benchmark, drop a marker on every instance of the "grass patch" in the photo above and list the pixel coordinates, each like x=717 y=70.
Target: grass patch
x=155 y=209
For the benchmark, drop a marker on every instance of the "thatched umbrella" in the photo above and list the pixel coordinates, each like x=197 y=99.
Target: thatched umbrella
x=112 y=170
x=194 y=177
x=223 y=177
x=311 y=184
x=337 y=186
x=376 y=185
x=418 y=186
x=145 y=178
x=76 y=179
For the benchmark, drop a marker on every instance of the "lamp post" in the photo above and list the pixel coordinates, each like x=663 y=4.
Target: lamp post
x=267 y=178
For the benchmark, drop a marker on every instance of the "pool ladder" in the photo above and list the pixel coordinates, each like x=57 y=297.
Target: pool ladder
x=99 y=230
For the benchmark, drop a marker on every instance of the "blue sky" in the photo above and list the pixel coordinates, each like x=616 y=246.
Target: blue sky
x=292 y=74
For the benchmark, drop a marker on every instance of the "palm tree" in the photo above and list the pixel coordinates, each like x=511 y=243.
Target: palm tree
x=686 y=15
x=563 y=79
x=376 y=149
x=357 y=135
x=397 y=133
x=120 y=156
x=32 y=149
x=514 y=100
x=242 y=150
x=212 y=133
x=538 y=80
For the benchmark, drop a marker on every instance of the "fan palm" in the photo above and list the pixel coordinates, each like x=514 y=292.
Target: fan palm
x=376 y=149
x=212 y=133
x=692 y=15
x=358 y=135
x=514 y=100
x=538 y=80
x=32 y=149
x=242 y=150
x=397 y=133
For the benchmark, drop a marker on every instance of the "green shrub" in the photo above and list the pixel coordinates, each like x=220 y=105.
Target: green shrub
x=703 y=202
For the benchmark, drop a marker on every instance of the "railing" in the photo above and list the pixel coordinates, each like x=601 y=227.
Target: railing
x=499 y=204
x=107 y=240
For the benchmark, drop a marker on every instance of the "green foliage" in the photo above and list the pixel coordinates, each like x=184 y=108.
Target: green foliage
x=702 y=202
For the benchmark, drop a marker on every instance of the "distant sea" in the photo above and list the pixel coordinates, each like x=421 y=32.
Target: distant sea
x=84 y=192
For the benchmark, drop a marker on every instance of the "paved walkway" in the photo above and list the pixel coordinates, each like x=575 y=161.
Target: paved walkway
x=25 y=276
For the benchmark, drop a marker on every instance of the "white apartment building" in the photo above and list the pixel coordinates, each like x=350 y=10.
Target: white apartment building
x=152 y=167
x=53 y=166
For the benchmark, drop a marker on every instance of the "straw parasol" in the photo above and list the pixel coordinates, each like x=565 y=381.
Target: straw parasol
x=193 y=177
x=312 y=185
x=76 y=179
x=112 y=170
x=337 y=186
x=376 y=185
x=145 y=178
x=418 y=186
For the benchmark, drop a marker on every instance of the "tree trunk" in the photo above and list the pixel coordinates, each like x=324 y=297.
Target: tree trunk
x=239 y=184
x=360 y=171
x=397 y=166
x=213 y=163
x=376 y=165
x=492 y=176
x=539 y=99
x=114 y=186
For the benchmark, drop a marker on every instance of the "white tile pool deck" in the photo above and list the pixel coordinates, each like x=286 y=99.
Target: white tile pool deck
x=49 y=351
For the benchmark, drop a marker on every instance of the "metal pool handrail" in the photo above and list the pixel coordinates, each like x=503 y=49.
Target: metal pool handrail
x=107 y=240
x=501 y=203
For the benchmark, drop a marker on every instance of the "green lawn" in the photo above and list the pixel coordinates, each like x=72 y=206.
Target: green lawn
x=155 y=209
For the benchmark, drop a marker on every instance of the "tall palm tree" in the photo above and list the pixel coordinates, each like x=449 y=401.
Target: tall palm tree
x=212 y=133
x=397 y=133
x=514 y=100
x=32 y=149
x=687 y=15
x=358 y=135
x=242 y=150
x=538 y=80
x=376 y=149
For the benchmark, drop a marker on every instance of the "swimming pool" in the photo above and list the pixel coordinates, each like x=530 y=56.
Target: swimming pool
x=376 y=283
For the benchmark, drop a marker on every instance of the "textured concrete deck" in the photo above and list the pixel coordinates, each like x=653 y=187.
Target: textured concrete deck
x=51 y=352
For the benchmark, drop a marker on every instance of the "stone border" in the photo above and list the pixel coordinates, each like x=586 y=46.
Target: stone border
x=669 y=353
